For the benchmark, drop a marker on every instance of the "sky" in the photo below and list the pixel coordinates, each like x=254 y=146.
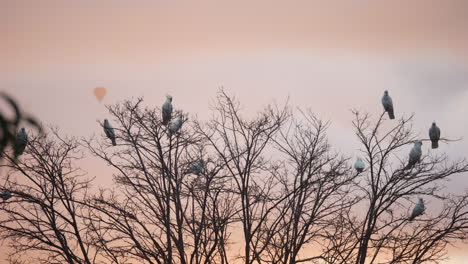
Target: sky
x=329 y=56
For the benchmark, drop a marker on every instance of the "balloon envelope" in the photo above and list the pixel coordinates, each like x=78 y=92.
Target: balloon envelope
x=100 y=92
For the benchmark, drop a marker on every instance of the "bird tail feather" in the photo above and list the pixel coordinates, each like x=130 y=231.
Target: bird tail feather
x=18 y=151
x=391 y=115
x=166 y=119
x=435 y=144
x=113 y=142
x=409 y=166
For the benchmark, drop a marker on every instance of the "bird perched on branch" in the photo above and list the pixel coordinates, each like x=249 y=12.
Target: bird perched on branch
x=434 y=135
x=418 y=210
x=359 y=165
x=5 y=195
x=388 y=105
x=175 y=126
x=414 y=155
x=167 y=110
x=109 y=130
x=21 y=141
x=196 y=168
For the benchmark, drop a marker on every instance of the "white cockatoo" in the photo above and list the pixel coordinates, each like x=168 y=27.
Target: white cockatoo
x=388 y=105
x=167 y=110
x=196 y=167
x=21 y=141
x=109 y=130
x=5 y=195
x=418 y=210
x=175 y=126
x=414 y=155
x=359 y=165
x=434 y=135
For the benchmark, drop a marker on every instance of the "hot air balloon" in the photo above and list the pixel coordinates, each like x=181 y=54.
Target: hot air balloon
x=99 y=93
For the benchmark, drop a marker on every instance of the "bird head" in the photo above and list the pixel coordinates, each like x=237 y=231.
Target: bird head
x=23 y=130
x=169 y=98
x=434 y=124
x=385 y=92
x=418 y=143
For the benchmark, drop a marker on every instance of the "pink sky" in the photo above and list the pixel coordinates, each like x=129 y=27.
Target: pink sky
x=330 y=56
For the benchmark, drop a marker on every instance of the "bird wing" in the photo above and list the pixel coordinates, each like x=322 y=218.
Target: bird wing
x=109 y=130
x=176 y=125
x=387 y=103
x=20 y=139
x=434 y=133
x=418 y=209
x=167 y=107
x=415 y=155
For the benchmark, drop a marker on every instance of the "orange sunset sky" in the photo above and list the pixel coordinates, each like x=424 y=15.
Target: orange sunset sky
x=330 y=56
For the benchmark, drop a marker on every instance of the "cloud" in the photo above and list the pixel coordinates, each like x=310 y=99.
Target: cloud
x=438 y=78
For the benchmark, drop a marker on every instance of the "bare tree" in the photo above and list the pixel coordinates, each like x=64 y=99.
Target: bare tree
x=179 y=196
x=320 y=184
x=242 y=145
x=43 y=217
x=383 y=233
x=163 y=212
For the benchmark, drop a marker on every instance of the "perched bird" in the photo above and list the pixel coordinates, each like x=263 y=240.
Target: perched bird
x=414 y=155
x=434 y=135
x=175 y=126
x=359 y=165
x=21 y=141
x=196 y=168
x=109 y=132
x=388 y=105
x=167 y=110
x=5 y=195
x=418 y=210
